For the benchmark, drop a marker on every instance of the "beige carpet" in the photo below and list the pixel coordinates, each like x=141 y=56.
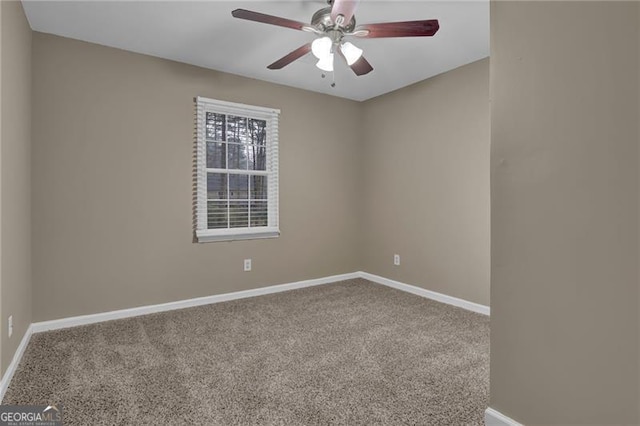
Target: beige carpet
x=352 y=352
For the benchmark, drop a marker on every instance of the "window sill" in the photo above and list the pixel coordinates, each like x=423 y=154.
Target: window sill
x=211 y=236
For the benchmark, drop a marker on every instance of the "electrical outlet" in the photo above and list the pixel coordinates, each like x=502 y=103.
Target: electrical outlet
x=10 y=325
x=396 y=259
x=247 y=265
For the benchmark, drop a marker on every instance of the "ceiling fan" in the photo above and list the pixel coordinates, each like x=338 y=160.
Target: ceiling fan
x=332 y=25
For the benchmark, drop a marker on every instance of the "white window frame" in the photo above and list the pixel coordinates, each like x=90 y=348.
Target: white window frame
x=271 y=116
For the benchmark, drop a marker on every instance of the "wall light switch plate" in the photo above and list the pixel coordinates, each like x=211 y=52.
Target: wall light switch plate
x=247 y=265
x=10 y=325
x=396 y=259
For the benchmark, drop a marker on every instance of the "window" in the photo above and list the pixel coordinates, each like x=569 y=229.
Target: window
x=237 y=171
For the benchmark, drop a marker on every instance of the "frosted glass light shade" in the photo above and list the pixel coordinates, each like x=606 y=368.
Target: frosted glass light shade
x=321 y=47
x=326 y=63
x=351 y=53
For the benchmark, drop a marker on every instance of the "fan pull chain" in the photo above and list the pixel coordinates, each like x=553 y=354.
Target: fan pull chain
x=333 y=78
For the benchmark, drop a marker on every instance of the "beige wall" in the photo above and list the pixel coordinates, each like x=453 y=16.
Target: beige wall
x=425 y=156
x=15 y=152
x=564 y=259
x=112 y=183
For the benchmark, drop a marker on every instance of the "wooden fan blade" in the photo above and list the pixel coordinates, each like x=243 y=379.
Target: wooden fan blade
x=346 y=8
x=268 y=19
x=287 y=59
x=425 y=28
x=361 y=66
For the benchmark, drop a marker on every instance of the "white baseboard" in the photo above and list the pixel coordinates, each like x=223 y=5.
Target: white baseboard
x=496 y=418
x=17 y=356
x=181 y=304
x=439 y=297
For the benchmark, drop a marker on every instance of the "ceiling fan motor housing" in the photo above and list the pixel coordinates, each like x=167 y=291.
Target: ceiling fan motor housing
x=323 y=22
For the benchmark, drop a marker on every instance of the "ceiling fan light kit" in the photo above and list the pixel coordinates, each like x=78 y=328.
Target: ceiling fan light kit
x=322 y=49
x=332 y=24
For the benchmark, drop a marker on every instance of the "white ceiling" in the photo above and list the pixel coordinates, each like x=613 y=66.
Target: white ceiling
x=204 y=33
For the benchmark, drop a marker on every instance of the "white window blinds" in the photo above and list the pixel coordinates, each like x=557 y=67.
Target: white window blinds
x=237 y=171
